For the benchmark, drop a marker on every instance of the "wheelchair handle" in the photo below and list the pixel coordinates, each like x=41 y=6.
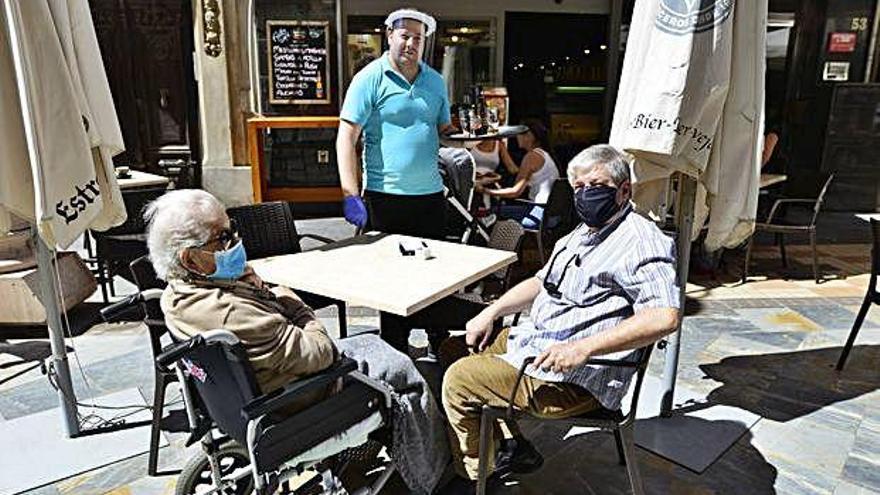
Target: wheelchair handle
x=118 y=310
x=171 y=353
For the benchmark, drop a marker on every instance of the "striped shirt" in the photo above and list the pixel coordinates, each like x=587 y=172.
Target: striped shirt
x=601 y=278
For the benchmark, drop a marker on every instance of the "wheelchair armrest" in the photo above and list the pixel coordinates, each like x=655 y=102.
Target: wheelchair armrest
x=120 y=310
x=172 y=352
x=277 y=399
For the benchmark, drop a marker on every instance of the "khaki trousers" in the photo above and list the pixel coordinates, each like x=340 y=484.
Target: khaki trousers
x=486 y=379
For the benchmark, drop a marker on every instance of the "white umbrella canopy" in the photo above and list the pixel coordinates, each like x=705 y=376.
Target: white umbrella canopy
x=691 y=100
x=58 y=133
x=58 y=126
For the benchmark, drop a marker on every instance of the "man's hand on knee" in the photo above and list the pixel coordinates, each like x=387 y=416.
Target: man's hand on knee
x=479 y=330
x=562 y=357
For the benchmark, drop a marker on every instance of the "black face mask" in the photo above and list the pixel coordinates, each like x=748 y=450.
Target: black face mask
x=595 y=205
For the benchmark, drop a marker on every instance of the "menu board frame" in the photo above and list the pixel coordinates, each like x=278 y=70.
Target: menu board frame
x=327 y=100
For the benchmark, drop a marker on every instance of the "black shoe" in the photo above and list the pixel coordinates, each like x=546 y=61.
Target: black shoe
x=459 y=486
x=517 y=456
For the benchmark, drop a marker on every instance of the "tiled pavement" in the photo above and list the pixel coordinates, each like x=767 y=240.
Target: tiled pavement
x=768 y=346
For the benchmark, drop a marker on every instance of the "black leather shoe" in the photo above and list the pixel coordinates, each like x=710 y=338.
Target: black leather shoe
x=459 y=486
x=517 y=456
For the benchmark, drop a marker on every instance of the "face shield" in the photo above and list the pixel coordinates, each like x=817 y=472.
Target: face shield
x=427 y=20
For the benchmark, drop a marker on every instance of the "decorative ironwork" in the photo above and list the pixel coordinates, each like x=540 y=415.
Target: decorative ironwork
x=211 y=27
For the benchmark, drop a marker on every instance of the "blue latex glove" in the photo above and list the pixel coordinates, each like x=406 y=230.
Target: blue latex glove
x=355 y=210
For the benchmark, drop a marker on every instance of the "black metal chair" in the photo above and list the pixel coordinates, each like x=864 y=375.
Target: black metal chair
x=507 y=235
x=871 y=297
x=558 y=217
x=116 y=248
x=268 y=229
x=615 y=421
x=779 y=228
x=145 y=278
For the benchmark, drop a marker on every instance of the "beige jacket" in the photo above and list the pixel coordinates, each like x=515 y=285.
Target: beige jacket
x=283 y=338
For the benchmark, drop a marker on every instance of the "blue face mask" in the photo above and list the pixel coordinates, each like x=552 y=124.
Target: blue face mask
x=229 y=264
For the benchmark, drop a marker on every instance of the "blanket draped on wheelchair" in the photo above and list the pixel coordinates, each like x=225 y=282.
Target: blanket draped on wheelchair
x=420 y=447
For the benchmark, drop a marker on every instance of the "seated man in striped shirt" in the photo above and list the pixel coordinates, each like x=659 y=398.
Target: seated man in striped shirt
x=609 y=288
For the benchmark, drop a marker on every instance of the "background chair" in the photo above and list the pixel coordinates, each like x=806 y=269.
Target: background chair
x=507 y=235
x=268 y=229
x=116 y=248
x=779 y=227
x=558 y=217
x=615 y=421
x=145 y=278
x=871 y=297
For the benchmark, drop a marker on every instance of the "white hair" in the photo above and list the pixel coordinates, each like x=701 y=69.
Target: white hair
x=178 y=220
x=600 y=154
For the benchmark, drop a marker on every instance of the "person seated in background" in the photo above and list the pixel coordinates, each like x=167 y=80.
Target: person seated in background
x=489 y=155
x=771 y=139
x=609 y=288
x=210 y=286
x=537 y=172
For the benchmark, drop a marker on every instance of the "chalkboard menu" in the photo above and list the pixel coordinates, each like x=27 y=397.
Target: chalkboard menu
x=298 y=55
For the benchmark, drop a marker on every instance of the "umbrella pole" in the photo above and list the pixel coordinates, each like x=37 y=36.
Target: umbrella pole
x=45 y=258
x=46 y=269
x=684 y=221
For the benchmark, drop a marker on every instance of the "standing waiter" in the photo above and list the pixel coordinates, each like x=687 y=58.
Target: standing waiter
x=401 y=105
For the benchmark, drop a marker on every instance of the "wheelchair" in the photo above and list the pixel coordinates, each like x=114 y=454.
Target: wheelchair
x=250 y=444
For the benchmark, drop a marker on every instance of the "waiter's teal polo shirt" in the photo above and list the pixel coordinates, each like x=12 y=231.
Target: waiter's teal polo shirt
x=399 y=123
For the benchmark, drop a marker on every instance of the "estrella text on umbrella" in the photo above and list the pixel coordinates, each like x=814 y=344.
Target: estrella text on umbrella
x=680 y=17
x=85 y=196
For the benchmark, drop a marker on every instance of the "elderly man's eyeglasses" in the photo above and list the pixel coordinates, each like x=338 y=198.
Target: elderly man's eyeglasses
x=226 y=238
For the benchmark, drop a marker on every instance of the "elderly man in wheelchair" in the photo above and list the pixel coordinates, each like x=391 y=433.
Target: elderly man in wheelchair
x=257 y=365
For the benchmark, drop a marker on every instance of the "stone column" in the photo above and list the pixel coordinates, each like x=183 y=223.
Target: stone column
x=214 y=20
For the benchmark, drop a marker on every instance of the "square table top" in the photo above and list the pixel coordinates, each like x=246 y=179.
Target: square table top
x=369 y=270
x=139 y=179
x=770 y=179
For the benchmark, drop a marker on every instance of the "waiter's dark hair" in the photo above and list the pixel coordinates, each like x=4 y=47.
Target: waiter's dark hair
x=539 y=130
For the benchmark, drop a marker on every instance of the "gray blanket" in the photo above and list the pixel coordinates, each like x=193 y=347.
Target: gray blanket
x=420 y=447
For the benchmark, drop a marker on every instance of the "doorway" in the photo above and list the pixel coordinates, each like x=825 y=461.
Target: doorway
x=147 y=48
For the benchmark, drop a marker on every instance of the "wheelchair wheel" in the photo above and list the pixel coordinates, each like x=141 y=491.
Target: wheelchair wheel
x=196 y=478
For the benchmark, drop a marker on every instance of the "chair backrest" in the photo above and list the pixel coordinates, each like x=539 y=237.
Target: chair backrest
x=224 y=380
x=266 y=229
x=641 y=356
x=145 y=278
x=559 y=212
x=144 y=275
x=875 y=251
x=821 y=199
x=135 y=201
x=506 y=235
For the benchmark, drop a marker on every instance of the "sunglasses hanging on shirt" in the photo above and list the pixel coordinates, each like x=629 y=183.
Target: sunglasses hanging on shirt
x=552 y=288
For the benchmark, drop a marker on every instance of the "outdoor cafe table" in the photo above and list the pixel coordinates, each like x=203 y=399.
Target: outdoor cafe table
x=369 y=270
x=138 y=179
x=768 y=180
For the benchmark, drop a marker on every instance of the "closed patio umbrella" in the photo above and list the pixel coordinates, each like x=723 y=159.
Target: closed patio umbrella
x=690 y=102
x=58 y=133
